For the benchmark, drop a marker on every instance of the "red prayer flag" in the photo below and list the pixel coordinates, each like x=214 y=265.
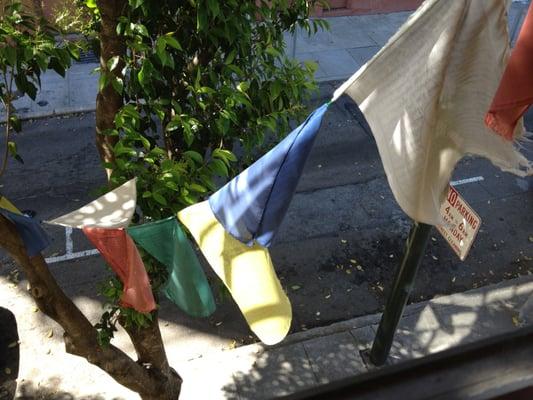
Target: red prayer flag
x=120 y=252
x=515 y=93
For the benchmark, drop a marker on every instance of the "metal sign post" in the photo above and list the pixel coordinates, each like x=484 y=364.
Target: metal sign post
x=401 y=289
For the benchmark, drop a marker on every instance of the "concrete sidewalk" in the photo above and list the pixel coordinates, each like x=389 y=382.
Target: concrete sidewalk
x=339 y=52
x=304 y=360
x=322 y=355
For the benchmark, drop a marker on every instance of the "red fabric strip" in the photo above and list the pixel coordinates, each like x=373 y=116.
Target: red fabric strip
x=120 y=252
x=515 y=93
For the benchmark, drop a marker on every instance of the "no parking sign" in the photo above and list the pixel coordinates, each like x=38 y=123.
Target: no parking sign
x=461 y=223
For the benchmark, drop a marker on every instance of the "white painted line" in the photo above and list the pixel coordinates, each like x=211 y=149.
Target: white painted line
x=467 y=180
x=69 y=244
x=72 y=256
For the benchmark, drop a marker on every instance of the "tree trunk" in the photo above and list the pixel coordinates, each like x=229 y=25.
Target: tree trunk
x=108 y=101
x=80 y=336
x=151 y=353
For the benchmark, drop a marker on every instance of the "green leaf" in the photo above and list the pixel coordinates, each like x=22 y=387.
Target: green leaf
x=213 y=7
x=230 y=57
x=174 y=124
x=195 y=156
x=10 y=53
x=31 y=90
x=12 y=148
x=269 y=122
x=140 y=29
x=272 y=51
x=103 y=81
x=275 y=90
x=173 y=42
x=164 y=57
x=41 y=61
x=73 y=51
x=160 y=199
x=197 y=188
x=225 y=155
x=201 y=18
x=117 y=84
x=219 y=167
x=243 y=86
x=14 y=122
x=113 y=62
x=90 y=3
x=146 y=194
x=145 y=74
x=56 y=65
x=135 y=3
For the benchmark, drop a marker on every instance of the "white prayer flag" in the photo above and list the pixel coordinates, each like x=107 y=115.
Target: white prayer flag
x=425 y=95
x=112 y=210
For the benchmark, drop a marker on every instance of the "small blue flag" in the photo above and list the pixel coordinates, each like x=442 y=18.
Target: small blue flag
x=32 y=234
x=252 y=205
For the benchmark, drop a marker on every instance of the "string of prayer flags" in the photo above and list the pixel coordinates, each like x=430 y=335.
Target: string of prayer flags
x=425 y=95
x=187 y=285
x=252 y=205
x=7 y=205
x=515 y=93
x=30 y=231
x=112 y=210
x=118 y=249
x=247 y=272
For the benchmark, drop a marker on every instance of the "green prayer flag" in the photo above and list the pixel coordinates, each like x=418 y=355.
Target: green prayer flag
x=187 y=285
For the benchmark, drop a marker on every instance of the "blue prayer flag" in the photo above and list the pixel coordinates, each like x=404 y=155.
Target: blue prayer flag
x=32 y=234
x=252 y=205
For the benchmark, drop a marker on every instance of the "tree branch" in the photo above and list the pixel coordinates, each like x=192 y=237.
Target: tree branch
x=150 y=350
x=108 y=101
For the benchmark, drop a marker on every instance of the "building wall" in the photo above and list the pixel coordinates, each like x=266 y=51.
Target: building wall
x=358 y=7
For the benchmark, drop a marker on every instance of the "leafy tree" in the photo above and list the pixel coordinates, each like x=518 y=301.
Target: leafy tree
x=184 y=87
x=27 y=48
x=200 y=78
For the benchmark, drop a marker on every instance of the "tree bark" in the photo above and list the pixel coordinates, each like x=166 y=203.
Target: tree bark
x=80 y=336
x=151 y=353
x=108 y=100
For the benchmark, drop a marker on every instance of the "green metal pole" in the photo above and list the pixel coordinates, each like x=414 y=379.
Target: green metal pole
x=401 y=289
